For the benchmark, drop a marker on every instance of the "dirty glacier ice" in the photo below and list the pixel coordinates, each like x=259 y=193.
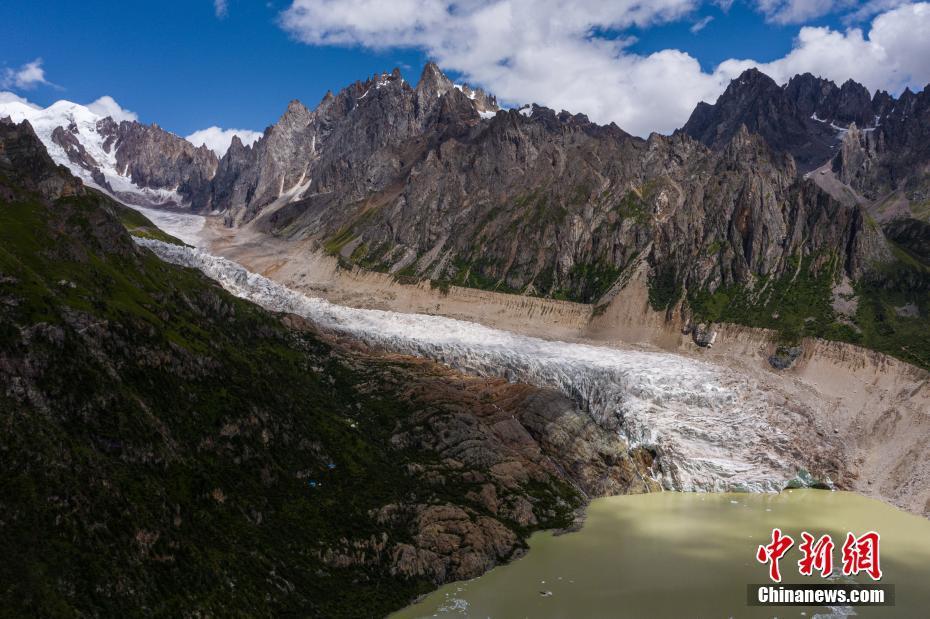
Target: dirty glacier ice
x=711 y=429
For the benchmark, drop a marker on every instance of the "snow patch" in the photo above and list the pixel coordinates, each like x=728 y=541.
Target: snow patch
x=466 y=90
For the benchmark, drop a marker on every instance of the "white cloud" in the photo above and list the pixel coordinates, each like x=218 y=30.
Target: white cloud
x=701 y=24
x=107 y=106
x=799 y=11
x=104 y=106
x=868 y=10
x=26 y=77
x=218 y=140
x=893 y=55
x=221 y=7
x=554 y=53
x=543 y=51
x=9 y=97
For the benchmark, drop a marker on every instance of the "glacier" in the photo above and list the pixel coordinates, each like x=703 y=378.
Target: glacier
x=711 y=429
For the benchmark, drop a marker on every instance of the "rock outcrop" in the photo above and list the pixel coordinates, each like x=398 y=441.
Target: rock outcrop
x=554 y=205
x=876 y=144
x=156 y=159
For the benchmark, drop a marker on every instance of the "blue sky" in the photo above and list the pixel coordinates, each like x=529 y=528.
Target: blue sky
x=175 y=63
x=189 y=64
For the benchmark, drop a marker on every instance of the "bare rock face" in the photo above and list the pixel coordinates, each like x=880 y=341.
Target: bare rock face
x=756 y=101
x=435 y=181
x=156 y=159
x=877 y=145
x=858 y=157
x=24 y=160
x=892 y=154
x=549 y=203
x=785 y=356
x=354 y=143
x=250 y=178
x=78 y=154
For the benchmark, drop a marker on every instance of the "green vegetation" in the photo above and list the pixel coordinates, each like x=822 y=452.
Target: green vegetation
x=589 y=282
x=664 y=289
x=714 y=248
x=334 y=244
x=170 y=450
x=799 y=304
x=881 y=326
x=632 y=206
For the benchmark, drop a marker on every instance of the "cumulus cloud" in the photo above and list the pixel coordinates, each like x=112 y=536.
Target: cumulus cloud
x=893 y=55
x=559 y=54
x=107 y=106
x=542 y=51
x=26 y=77
x=218 y=140
x=221 y=8
x=104 y=106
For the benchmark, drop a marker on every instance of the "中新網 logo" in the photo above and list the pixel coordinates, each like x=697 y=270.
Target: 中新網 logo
x=859 y=554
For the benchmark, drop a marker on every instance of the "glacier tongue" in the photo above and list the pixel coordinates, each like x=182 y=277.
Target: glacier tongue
x=711 y=429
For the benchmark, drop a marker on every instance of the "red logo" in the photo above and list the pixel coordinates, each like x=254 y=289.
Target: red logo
x=817 y=555
x=860 y=554
x=773 y=552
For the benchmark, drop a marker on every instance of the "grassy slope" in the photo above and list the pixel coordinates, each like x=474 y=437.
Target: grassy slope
x=800 y=306
x=158 y=435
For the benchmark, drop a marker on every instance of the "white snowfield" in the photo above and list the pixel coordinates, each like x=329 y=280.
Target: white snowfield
x=65 y=114
x=710 y=428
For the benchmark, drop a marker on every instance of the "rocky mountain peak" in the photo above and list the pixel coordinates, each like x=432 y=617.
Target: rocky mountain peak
x=750 y=150
x=236 y=144
x=485 y=104
x=433 y=82
x=809 y=92
x=295 y=111
x=749 y=81
x=853 y=103
x=758 y=102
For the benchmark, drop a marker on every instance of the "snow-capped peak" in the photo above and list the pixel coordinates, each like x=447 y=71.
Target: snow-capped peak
x=84 y=125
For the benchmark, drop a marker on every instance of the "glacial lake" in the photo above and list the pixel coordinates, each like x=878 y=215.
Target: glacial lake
x=673 y=554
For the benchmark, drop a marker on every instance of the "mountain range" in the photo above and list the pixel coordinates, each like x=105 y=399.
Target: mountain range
x=184 y=452
x=800 y=207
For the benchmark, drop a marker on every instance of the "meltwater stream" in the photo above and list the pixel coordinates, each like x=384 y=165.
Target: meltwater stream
x=712 y=430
